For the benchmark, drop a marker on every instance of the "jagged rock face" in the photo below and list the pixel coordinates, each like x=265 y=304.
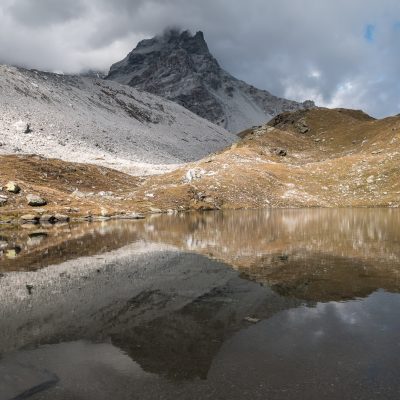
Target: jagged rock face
x=180 y=67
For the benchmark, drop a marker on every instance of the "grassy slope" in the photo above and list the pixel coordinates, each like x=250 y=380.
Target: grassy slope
x=345 y=159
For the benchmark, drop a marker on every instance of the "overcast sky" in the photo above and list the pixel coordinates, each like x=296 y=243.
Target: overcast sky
x=336 y=52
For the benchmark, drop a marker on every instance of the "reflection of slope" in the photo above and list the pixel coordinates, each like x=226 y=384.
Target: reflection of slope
x=183 y=343
x=309 y=254
x=19 y=380
x=319 y=255
x=170 y=312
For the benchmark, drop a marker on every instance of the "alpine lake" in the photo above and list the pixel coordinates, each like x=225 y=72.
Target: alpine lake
x=268 y=304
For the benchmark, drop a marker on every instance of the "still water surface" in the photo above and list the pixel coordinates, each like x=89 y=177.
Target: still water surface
x=283 y=304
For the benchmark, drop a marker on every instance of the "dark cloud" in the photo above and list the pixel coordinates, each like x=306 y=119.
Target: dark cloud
x=340 y=53
x=42 y=13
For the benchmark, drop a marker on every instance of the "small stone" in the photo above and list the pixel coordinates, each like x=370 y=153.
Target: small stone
x=155 y=210
x=35 y=200
x=13 y=187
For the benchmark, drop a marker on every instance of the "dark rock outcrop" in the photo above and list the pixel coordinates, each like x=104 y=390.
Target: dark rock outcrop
x=179 y=66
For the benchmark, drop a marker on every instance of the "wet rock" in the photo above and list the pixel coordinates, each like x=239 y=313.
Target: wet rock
x=3 y=244
x=155 y=210
x=35 y=200
x=29 y=219
x=12 y=187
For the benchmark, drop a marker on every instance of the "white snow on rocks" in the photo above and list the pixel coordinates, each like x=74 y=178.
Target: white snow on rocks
x=82 y=119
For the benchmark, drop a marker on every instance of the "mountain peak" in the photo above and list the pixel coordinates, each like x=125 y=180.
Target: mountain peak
x=178 y=65
x=186 y=40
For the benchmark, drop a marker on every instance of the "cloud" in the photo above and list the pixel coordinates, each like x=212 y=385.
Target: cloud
x=338 y=52
x=42 y=13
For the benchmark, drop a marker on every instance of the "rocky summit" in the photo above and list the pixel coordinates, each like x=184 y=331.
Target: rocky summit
x=179 y=66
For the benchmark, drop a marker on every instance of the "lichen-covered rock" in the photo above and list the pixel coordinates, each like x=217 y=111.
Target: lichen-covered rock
x=35 y=200
x=12 y=187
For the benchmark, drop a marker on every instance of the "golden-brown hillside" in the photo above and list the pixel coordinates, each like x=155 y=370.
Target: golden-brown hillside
x=310 y=158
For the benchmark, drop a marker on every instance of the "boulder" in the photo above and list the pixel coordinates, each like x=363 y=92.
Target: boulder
x=47 y=218
x=35 y=200
x=61 y=218
x=12 y=187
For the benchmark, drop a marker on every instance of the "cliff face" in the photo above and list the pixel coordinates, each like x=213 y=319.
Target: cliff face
x=179 y=67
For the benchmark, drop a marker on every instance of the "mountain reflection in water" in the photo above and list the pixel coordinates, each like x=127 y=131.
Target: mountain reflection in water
x=320 y=255
x=281 y=304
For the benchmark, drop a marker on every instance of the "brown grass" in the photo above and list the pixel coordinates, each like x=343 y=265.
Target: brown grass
x=345 y=159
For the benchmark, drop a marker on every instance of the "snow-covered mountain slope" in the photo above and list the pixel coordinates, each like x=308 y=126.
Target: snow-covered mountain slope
x=180 y=67
x=82 y=119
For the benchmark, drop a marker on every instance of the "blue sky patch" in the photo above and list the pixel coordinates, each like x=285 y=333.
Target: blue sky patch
x=369 y=33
